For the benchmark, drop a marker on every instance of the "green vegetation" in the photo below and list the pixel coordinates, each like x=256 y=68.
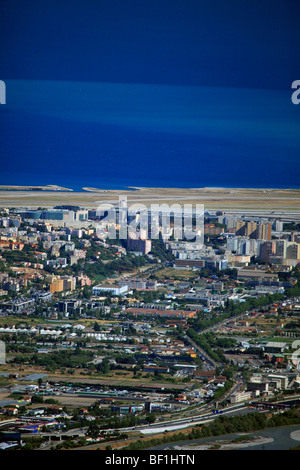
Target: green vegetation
x=158 y=249
x=207 y=341
x=32 y=443
x=16 y=256
x=98 y=270
x=221 y=391
x=233 y=309
x=58 y=359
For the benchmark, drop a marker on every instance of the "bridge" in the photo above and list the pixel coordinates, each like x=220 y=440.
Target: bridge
x=60 y=436
x=285 y=404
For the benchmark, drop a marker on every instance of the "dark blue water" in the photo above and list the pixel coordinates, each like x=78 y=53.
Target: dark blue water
x=104 y=135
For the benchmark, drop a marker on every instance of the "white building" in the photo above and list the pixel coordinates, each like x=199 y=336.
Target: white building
x=240 y=397
x=114 y=290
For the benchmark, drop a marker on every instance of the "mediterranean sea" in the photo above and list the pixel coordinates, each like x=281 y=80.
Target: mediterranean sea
x=111 y=136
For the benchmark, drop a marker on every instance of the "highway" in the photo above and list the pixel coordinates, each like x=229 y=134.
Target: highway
x=162 y=426
x=186 y=422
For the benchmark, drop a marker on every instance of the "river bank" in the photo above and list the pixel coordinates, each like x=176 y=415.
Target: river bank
x=281 y=438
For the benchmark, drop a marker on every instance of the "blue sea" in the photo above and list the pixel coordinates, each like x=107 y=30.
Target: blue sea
x=108 y=135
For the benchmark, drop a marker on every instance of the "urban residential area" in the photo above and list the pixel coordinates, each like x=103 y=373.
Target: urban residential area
x=132 y=343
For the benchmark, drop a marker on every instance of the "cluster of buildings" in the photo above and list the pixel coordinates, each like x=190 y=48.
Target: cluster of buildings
x=56 y=238
x=258 y=248
x=264 y=280
x=67 y=283
x=280 y=251
x=264 y=240
x=125 y=287
x=264 y=384
x=164 y=313
x=69 y=214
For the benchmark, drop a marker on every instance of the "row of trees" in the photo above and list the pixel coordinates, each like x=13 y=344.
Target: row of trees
x=58 y=359
x=207 y=342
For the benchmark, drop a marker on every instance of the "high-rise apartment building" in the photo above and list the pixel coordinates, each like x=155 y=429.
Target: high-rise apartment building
x=293 y=250
x=264 y=231
x=267 y=250
x=240 y=227
x=251 y=230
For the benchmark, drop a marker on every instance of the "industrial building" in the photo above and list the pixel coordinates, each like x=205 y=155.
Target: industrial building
x=114 y=290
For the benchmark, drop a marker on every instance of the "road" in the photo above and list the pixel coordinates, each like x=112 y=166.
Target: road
x=207 y=415
x=210 y=363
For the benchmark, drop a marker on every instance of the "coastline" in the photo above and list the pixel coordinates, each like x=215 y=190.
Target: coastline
x=98 y=190
x=48 y=187
x=238 y=200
